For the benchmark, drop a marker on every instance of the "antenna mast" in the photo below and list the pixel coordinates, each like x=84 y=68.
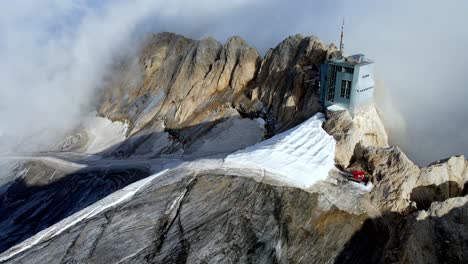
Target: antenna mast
x=342 y=35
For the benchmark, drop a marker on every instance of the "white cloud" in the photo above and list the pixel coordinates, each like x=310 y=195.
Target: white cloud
x=53 y=54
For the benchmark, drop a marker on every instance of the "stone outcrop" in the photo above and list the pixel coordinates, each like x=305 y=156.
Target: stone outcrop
x=399 y=185
x=364 y=128
x=180 y=80
x=203 y=97
x=439 y=181
x=451 y=169
x=285 y=84
x=204 y=218
x=439 y=234
x=178 y=84
x=394 y=176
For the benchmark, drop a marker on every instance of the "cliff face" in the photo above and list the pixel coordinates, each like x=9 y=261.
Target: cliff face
x=399 y=185
x=205 y=218
x=223 y=216
x=185 y=87
x=284 y=83
x=178 y=85
x=364 y=128
x=199 y=98
x=423 y=210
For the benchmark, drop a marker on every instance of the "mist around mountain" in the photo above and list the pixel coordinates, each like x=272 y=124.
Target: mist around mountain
x=206 y=152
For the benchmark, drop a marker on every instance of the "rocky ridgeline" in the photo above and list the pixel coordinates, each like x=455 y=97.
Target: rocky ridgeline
x=178 y=93
x=424 y=210
x=185 y=87
x=400 y=185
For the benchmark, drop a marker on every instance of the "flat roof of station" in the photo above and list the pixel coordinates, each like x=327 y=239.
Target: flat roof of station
x=352 y=61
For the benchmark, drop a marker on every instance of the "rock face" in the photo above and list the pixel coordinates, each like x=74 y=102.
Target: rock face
x=42 y=195
x=399 y=185
x=177 y=84
x=211 y=217
x=365 y=128
x=438 y=235
x=284 y=83
x=440 y=181
x=201 y=98
x=393 y=174
x=181 y=80
x=185 y=87
x=423 y=210
x=205 y=218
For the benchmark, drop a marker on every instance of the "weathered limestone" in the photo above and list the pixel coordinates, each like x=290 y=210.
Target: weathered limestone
x=186 y=83
x=179 y=95
x=365 y=128
x=437 y=235
x=393 y=174
x=281 y=82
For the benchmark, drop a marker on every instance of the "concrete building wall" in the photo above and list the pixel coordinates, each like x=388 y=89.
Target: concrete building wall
x=362 y=84
x=362 y=90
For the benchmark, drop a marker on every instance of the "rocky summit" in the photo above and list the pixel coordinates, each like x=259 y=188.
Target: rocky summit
x=148 y=180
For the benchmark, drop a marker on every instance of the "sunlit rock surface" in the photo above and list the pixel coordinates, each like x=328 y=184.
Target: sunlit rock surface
x=130 y=186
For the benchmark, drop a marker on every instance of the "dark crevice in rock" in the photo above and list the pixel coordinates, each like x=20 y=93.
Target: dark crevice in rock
x=166 y=222
x=465 y=189
x=210 y=67
x=68 y=257
x=99 y=236
x=234 y=68
x=181 y=252
x=424 y=196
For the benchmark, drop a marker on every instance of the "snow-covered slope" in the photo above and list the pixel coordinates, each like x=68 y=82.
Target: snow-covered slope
x=233 y=134
x=302 y=155
x=97 y=134
x=104 y=133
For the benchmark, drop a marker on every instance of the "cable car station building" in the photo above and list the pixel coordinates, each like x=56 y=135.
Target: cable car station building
x=347 y=82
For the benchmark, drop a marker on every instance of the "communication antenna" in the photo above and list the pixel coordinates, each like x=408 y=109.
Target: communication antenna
x=342 y=35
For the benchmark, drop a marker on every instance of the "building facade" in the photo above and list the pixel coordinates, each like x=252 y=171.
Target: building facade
x=347 y=82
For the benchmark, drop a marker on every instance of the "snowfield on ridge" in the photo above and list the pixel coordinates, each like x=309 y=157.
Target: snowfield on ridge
x=303 y=155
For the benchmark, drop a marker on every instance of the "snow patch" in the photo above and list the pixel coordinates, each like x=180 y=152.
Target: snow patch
x=233 y=134
x=103 y=134
x=300 y=156
x=365 y=188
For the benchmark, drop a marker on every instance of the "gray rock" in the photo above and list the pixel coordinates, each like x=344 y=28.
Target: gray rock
x=205 y=218
x=438 y=235
x=187 y=83
x=364 y=128
x=281 y=82
x=178 y=94
x=394 y=177
x=181 y=82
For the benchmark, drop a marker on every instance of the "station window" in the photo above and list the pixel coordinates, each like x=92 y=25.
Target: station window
x=345 y=89
x=349 y=70
x=331 y=84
